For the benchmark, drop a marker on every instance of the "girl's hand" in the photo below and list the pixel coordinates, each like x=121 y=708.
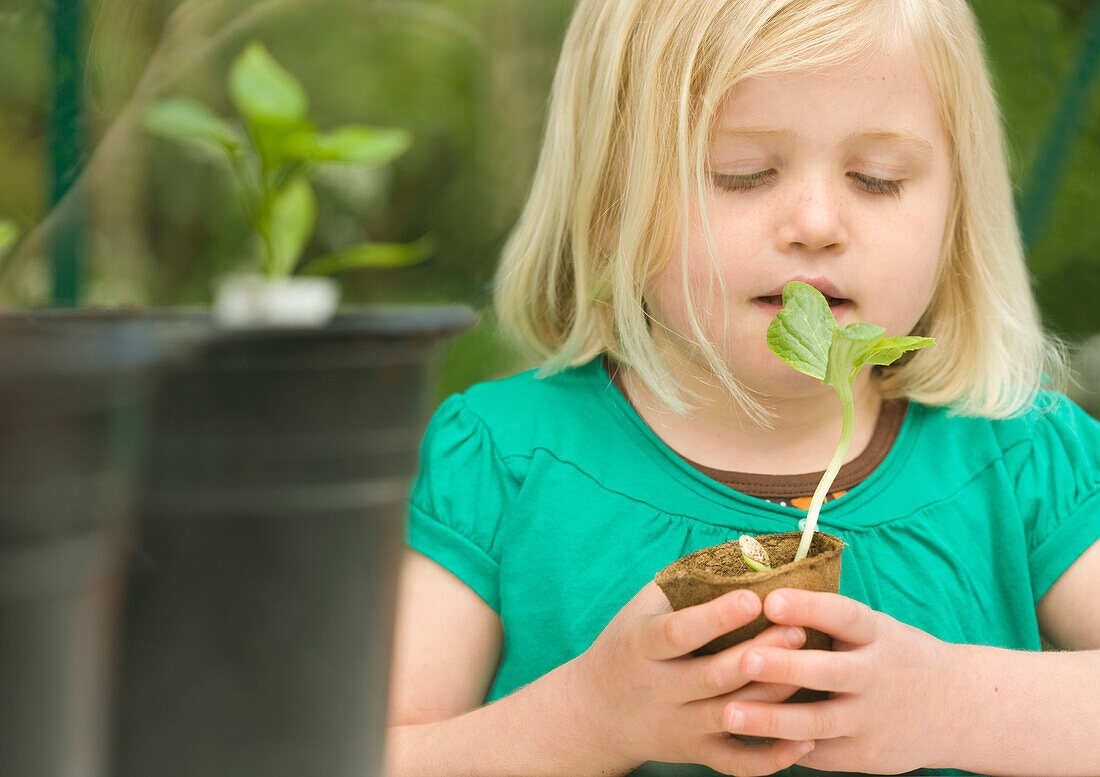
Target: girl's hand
x=891 y=688
x=649 y=699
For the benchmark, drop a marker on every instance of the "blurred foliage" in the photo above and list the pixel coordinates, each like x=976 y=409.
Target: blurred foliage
x=271 y=155
x=9 y=234
x=1085 y=389
x=469 y=79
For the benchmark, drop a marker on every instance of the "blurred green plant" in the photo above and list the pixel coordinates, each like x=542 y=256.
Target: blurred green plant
x=9 y=236
x=469 y=81
x=272 y=154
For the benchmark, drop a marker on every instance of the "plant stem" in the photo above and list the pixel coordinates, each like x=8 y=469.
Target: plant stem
x=830 y=474
x=247 y=188
x=262 y=226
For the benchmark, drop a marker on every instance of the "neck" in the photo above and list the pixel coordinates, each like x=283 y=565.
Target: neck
x=802 y=438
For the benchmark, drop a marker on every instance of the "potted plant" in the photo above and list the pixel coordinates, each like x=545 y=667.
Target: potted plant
x=806 y=336
x=257 y=620
x=272 y=151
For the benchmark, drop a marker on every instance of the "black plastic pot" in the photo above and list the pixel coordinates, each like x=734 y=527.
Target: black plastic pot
x=72 y=391
x=258 y=615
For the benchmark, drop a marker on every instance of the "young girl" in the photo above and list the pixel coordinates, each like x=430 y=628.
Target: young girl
x=699 y=155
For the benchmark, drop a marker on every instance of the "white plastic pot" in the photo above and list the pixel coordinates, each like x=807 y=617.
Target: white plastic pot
x=250 y=301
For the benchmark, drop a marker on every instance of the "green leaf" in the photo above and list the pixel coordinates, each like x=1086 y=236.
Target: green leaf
x=359 y=145
x=802 y=332
x=848 y=351
x=9 y=235
x=275 y=142
x=263 y=91
x=892 y=348
x=373 y=255
x=860 y=344
x=288 y=225
x=183 y=119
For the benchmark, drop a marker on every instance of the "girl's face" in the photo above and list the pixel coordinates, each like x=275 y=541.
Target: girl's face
x=841 y=179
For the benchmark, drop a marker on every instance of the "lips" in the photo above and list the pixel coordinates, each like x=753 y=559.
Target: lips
x=830 y=291
x=777 y=300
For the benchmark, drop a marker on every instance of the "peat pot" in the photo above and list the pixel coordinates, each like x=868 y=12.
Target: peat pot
x=72 y=390
x=258 y=613
x=707 y=574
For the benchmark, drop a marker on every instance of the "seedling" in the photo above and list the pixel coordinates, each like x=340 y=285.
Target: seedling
x=806 y=336
x=753 y=554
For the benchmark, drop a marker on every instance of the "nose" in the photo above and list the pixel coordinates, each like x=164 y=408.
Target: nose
x=813 y=219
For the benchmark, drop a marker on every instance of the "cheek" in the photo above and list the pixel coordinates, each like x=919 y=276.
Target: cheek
x=909 y=280
x=929 y=242
x=664 y=299
x=665 y=291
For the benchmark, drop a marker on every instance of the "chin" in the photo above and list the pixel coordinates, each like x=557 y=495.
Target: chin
x=768 y=376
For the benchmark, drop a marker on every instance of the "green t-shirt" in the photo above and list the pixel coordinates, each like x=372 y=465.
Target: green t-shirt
x=555 y=503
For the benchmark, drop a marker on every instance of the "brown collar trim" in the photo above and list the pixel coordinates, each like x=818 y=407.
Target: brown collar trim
x=887 y=427
x=890 y=418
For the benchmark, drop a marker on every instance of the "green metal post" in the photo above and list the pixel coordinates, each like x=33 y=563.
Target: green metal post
x=1037 y=200
x=66 y=245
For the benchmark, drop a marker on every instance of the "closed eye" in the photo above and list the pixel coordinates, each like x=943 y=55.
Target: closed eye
x=877 y=185
x=740 y=183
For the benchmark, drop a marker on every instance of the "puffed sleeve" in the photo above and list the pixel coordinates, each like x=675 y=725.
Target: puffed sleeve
x=458 y=498
x=1057 y=469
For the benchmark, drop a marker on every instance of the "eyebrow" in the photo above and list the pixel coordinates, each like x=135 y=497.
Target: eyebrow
x=908 y=139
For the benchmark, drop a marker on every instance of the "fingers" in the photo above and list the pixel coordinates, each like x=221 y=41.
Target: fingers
x=714 y=681
x=842 y=618
x=768 y=693
x=674 y=634
x=821 y=670
x=731 y=756
x=723 y=672
x=712 y=714
x=817 y=720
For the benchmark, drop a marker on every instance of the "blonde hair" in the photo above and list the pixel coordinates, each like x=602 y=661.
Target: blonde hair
x=625 y=153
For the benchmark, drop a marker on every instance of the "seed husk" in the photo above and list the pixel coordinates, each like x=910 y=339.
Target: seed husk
x=754 y=554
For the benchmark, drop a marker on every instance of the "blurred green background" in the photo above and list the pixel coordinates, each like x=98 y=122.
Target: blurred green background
x=470 y=80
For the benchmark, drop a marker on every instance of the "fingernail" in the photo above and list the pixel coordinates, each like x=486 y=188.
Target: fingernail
x=805 y=747
x=753 y=663
x=748 y=606
x=778 y=604
x=737 y=720
x=795 y=637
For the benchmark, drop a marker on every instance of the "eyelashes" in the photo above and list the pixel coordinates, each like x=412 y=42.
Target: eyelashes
x=740 y=183
x=878 y=185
